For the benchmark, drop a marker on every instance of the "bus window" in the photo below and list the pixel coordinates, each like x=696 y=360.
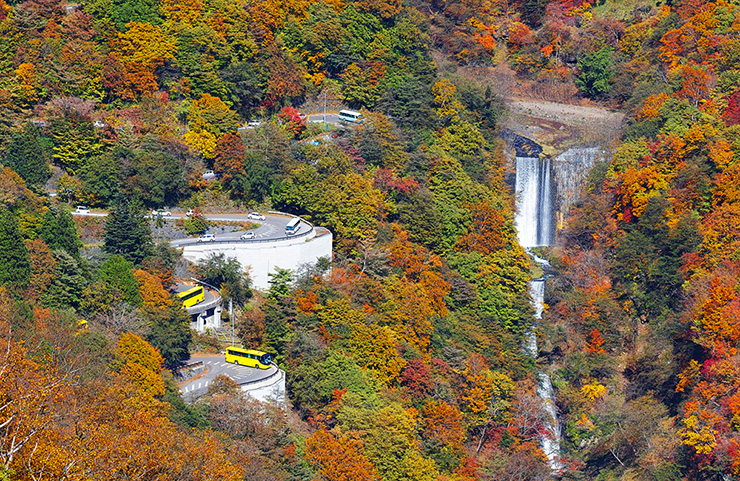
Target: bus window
x=349 y=115
x=192 y=296
x=266 y=359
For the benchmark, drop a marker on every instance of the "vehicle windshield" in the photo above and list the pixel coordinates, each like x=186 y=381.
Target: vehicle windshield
x=266 y=359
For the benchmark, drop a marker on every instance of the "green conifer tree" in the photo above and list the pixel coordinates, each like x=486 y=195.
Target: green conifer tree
x=15 y=262
x=169 y=331
x=127 y=233
x=66 y=288
x=58 y=230
x=116 y=274
x=28 y=157
x=595 y=73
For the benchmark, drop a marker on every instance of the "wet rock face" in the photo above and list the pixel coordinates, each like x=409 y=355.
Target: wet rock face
x=547 y=188
x=526 y=147
x=570 y=171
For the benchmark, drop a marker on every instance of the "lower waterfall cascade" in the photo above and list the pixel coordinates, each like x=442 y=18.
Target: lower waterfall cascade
x=550 y=442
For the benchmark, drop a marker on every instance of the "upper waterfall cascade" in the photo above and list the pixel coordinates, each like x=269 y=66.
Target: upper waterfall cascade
x=534 y=214
x=546 y=189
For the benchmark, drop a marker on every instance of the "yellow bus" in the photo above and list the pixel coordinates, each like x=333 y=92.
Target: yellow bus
x=192 y=296
x=248 y=357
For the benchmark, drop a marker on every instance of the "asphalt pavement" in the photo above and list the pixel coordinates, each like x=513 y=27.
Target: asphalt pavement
x=332 y=119
x=273 y=227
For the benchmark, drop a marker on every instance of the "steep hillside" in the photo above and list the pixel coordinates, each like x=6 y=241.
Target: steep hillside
x=405 y=353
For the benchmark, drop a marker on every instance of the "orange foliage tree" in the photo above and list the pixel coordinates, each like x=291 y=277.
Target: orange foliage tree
x=486 y=232
x=229 y=156
x=339 y=458
x=141 y=49
x=443 y=423
x=153 y=295
x=43 y=267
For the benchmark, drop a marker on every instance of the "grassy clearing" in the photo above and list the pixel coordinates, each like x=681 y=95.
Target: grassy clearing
x=624 y=9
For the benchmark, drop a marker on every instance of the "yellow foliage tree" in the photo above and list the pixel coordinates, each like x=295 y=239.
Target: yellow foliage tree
x=408 y=311
x=339 y=312
x=448 y=106
x=141 y=49
x=202 y=141
x=374 y=348
x=142 y=363
x=182 y=13
x=593 y=391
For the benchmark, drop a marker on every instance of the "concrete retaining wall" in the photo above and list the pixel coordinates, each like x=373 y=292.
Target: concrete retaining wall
x=262 y=258
x=270 y=390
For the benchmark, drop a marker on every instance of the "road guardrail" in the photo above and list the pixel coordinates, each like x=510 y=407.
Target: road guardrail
x=277 y=371
x=255 y=241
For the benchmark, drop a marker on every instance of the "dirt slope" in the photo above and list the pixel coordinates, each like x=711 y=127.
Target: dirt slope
x=557 y=126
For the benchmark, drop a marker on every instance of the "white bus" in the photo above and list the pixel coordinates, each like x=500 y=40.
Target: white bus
x=349 y=116
x=293 y=226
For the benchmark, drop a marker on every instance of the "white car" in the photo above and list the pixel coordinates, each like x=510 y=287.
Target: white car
x=210 y=175
x=161 y=213
x=81 y=209
x=207 y=238
x=247 y=236
x=255 y=216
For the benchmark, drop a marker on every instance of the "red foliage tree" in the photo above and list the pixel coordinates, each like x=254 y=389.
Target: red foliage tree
x=416 y=377
x=292 y=121
x=732 y=112
x=595 y=343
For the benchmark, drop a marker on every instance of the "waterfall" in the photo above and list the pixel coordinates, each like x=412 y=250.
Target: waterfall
x=549 y=442
x=537 y=291
x=534 y=222
x=534 y=214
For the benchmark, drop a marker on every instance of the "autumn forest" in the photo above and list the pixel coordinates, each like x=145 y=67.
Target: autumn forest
x=405 y=354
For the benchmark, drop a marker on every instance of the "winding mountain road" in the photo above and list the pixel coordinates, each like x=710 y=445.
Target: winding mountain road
x=272 y=228
x=215 y=365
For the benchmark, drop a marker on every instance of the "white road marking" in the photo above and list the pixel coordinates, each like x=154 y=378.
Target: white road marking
x=199 y=384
